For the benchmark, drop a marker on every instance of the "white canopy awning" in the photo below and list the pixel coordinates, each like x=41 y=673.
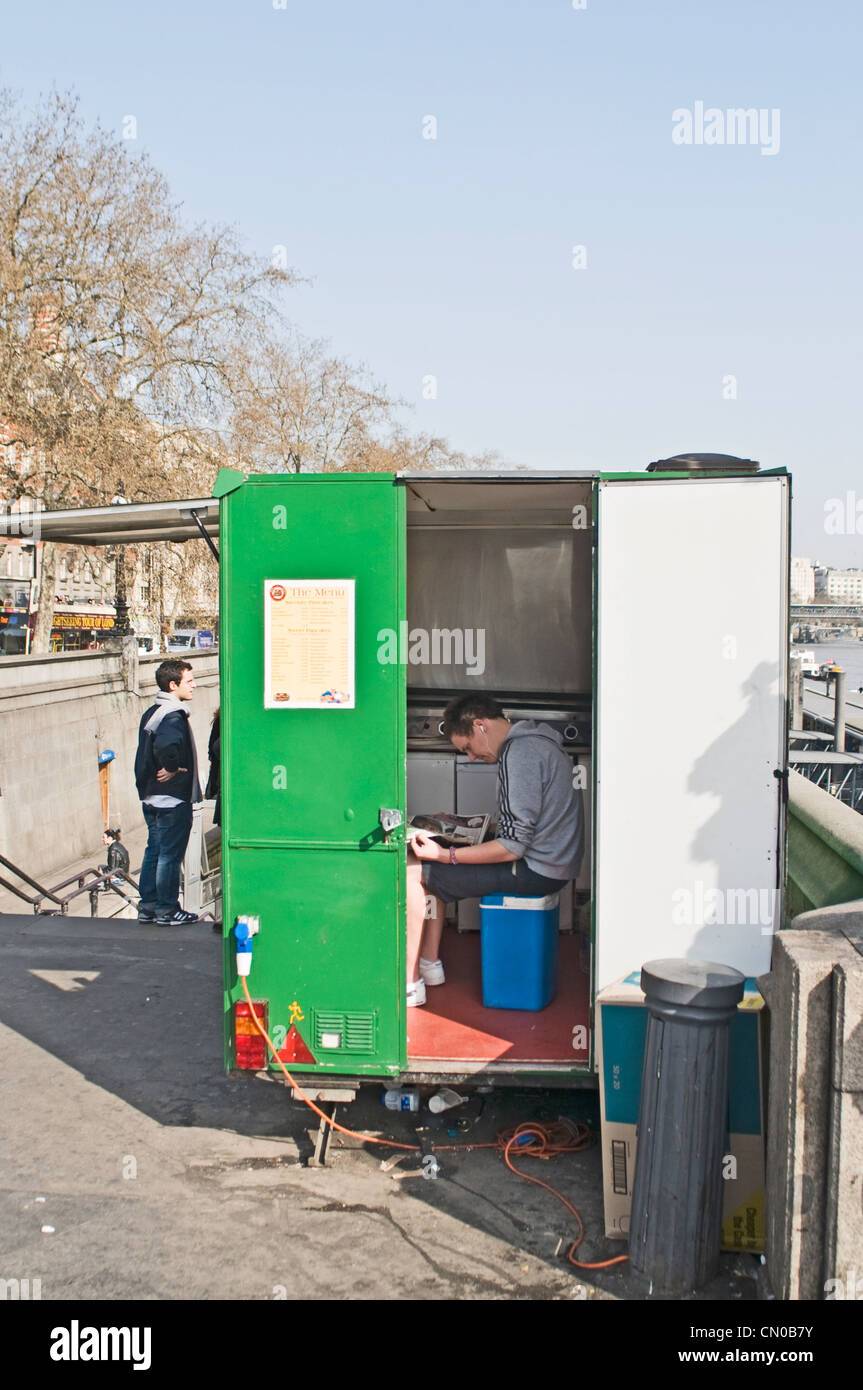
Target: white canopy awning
x=121 y=524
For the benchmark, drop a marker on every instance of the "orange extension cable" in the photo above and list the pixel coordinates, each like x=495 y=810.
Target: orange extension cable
x=547 y=1141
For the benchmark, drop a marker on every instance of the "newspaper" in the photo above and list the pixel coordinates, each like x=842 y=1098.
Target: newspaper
x=449 y=829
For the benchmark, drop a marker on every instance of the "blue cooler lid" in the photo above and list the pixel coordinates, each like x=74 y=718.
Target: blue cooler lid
x=551 y=900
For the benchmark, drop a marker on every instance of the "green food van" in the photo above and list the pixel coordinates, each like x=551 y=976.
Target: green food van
x=644 y=615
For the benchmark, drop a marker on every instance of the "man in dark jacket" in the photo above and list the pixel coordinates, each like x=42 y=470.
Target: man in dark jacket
x=166 y=774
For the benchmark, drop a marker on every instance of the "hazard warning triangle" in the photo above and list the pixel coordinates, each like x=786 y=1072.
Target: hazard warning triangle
x=295 y=1049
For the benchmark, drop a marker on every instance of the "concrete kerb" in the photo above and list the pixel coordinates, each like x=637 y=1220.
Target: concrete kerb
x=844 y=1233
x=815 y=1105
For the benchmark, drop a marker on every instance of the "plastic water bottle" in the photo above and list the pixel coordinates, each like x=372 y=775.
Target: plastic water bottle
x=445 y=1099
x=402 y=1098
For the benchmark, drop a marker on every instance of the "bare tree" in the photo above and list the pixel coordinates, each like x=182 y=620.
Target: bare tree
x=138 y=353
x=401 y=451
x=298 y=408
x=183 y=582
x=117 y=322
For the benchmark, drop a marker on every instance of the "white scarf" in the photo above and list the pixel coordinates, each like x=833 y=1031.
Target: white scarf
x=165 y=703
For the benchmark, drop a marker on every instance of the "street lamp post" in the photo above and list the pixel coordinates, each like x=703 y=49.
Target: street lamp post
x=121 y=606
x=29 y=549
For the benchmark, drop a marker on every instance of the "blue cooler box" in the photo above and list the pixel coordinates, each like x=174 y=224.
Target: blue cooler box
x=519 y=950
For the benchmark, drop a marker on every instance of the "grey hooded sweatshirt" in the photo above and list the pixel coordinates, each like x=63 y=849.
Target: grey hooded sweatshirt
x=540 y=814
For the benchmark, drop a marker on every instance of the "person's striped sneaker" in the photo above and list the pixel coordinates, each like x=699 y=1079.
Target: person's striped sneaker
x=178 y=919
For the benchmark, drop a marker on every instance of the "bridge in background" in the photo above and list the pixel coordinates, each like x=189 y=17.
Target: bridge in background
x=810 y=619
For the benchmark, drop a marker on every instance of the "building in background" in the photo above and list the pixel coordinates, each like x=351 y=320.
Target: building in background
x=16 y=577
x=802 y=580
x=838 y=586
x=83 y=602
x=165 y=592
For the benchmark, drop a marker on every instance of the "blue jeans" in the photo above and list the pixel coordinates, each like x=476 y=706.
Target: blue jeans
x=159 y=881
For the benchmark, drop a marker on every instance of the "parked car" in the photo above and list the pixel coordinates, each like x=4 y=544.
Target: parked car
x=191 y=639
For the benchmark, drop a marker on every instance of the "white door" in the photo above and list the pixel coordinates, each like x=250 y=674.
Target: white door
x=692 y=647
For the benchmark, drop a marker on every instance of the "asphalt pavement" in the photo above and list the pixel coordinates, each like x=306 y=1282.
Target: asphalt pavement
x=132 y=1167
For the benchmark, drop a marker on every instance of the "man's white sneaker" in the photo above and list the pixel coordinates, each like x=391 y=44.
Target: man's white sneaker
x=432 y=972
x=416 y=994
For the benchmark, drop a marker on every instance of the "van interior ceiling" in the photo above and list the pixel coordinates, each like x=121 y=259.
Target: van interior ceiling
x=500 y=581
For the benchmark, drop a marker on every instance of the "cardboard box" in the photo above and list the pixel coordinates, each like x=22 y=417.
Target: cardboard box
x=621 y=1025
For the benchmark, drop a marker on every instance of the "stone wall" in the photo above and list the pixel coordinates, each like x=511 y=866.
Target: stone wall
x=814 y=993
x=57 y=713
x=825 y=848
x=815 y=1113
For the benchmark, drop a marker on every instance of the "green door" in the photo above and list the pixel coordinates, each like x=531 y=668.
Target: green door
x=313 y=749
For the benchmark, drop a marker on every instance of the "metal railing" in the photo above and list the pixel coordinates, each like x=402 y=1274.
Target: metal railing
x=90 y=880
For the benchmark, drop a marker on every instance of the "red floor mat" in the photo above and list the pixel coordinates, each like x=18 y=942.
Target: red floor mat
x=454 y=1025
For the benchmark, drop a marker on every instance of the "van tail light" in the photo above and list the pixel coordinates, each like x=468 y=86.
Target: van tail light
x=251 y=1049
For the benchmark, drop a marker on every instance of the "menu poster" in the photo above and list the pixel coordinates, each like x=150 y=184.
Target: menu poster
x=309 y=644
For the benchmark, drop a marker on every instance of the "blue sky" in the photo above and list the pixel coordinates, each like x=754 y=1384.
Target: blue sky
x=453 y=257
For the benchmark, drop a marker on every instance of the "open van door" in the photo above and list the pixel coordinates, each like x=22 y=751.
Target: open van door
x=313 y=756
x=692 y=652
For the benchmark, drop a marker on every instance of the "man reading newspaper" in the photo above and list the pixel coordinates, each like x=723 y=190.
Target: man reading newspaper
x=540 y=830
